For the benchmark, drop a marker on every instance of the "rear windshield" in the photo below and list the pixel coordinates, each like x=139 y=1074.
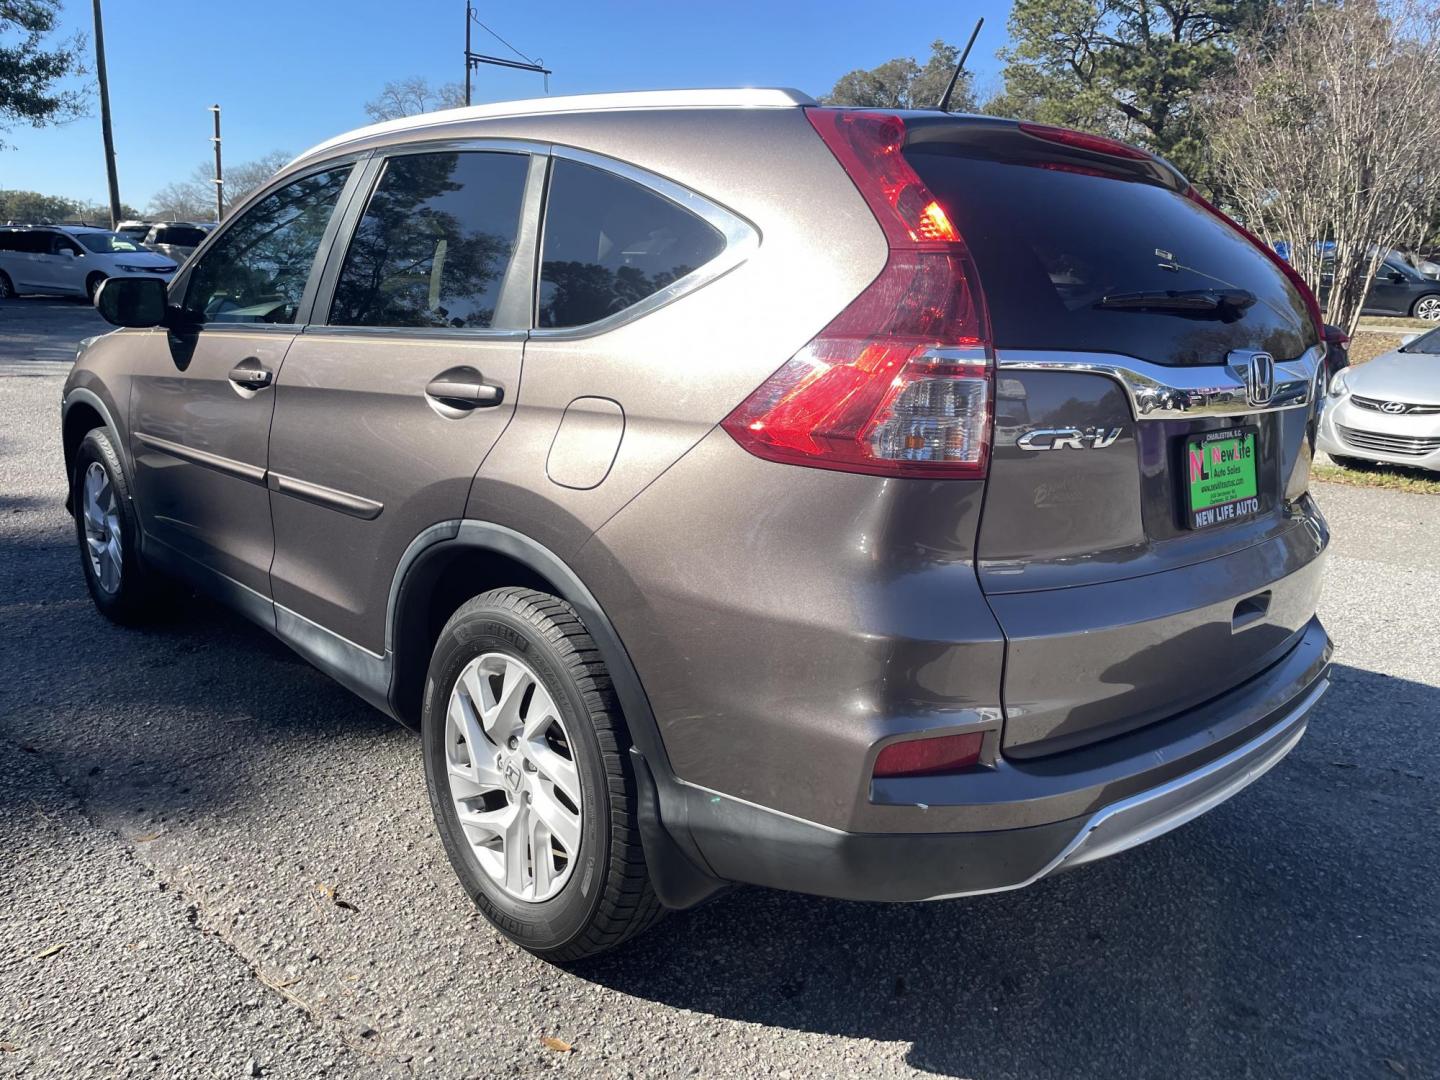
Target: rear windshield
x=180 y=235
x=1063 y=253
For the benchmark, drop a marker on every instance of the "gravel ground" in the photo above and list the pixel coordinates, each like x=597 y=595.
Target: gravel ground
x=235 y=861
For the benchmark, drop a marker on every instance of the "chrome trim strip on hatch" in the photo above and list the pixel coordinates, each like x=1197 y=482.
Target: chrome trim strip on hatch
x=1157 y=392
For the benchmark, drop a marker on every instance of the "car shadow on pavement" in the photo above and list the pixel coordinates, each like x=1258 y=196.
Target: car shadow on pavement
x=1228 y=947
x=130 y=715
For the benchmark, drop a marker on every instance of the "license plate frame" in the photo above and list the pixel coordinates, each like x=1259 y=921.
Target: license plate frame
x=1222 y=483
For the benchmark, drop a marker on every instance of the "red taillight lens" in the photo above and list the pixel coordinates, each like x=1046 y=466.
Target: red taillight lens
x=922 y=757
x=899 y=383
x=869 y=147
x=1311 y=304
x=1083 y=140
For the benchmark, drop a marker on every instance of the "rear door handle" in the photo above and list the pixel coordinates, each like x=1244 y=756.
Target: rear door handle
x=464 y=388
x=249 y=374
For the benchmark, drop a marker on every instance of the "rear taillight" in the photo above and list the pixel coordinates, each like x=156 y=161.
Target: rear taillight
x=1311 y=304
x=900 y=382
x=924 y=757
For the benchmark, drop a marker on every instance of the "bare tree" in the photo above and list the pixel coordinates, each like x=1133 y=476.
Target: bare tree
x=1325 y=138
x=406 y=97
x=194 y=199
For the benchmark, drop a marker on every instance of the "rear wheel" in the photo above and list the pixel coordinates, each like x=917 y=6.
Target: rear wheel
x=1427 y=308
x=526 y=759
x=7 y=287
x=108 y=536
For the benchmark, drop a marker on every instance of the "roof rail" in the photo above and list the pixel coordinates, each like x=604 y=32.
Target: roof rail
x=731 y=98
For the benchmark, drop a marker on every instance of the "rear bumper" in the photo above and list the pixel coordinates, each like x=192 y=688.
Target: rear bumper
x=1133 y=788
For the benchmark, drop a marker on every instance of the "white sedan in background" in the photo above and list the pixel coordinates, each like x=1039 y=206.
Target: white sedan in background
x=72 y=259
x=1387 y=410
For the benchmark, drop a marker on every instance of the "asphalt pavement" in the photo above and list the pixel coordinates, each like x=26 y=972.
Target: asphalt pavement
x=215 y=862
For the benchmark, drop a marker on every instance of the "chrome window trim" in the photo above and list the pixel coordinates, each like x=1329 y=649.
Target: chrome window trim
x=1157 y=392
x=740 y=236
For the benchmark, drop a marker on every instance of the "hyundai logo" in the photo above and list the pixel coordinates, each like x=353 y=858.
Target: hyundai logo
x=1394 y=407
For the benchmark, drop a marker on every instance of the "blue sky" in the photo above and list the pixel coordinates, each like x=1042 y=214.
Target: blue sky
x=289 y=74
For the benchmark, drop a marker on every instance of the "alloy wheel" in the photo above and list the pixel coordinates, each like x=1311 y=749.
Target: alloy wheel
x=101 y=511
x=1428 y=308
x=512 y=777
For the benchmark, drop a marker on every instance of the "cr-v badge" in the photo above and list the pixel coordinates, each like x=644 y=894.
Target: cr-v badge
x=1068 y=438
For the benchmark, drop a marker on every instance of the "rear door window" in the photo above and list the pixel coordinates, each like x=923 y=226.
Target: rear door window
x=609 y=243
x=435 y=242
x=1067 y=257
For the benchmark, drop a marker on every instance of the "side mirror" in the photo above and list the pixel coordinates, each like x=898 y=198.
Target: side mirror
x=131 y=301
x=1394 y=276
x=68 y=252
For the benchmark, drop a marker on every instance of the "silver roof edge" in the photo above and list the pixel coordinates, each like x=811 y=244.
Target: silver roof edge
x=755 y=97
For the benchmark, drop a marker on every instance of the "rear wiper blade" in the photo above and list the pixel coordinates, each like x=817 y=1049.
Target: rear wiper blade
x=1184 y=301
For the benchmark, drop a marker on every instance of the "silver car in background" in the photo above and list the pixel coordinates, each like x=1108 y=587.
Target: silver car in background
x=1389 y=409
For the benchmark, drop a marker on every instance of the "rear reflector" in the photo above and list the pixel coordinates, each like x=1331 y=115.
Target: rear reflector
x=900 y=382
x=923 y=757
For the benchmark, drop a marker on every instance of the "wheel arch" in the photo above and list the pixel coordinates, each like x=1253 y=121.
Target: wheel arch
x=452 y=561
x=83 y=412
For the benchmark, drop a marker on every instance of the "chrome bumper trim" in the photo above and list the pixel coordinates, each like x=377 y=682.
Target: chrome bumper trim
x=1149 y=814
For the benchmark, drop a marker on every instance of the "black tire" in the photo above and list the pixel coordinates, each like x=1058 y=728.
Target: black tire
x=607 y=898
x=140 y=595
x=92 y=286
x=7 y=287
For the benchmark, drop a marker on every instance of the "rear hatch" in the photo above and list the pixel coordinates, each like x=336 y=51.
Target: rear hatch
x=1146 y=541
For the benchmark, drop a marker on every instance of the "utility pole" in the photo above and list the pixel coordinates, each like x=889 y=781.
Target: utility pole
x=467 y=52
x=525 y=63
x=219 y=176
x=105 y=131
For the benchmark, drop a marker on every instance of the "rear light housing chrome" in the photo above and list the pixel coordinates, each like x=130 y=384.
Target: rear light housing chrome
x=900 y=383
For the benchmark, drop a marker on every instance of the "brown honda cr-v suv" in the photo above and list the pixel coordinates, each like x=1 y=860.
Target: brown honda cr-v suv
x=890 y=506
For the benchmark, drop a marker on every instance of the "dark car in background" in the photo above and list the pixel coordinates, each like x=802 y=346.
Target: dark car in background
x=1400 y=289
x=176 y=239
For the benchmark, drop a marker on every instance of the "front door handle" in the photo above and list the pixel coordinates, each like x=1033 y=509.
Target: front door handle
x=249 y=374
x=464 y=388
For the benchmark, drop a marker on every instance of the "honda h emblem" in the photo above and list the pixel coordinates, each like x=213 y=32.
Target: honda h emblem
x=1260 y=378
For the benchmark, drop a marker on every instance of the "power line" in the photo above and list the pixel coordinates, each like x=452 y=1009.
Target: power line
x=500 y=39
